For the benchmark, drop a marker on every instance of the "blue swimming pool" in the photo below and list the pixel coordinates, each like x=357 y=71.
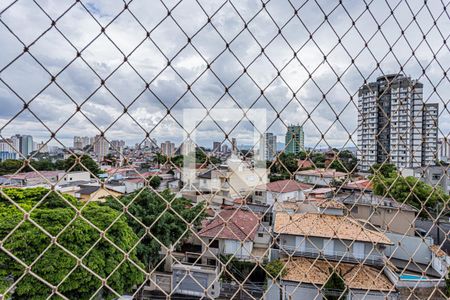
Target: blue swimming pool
x=412 y=277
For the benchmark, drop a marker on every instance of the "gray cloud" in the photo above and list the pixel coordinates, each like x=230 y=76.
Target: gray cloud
x=53 y=107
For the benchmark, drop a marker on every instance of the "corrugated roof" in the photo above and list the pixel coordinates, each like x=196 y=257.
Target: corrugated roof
x=326 y=226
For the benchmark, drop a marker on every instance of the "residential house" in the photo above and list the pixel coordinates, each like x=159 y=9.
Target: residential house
x=382 y=212
x=436 y=176
x=329 y=236
x=305 y=279
x=94 y=193
x=236 y=179
x=320 y=177
x=70 y=177
x=280 y=191
x=234 y=232
x=312 y=245
x=31 y=179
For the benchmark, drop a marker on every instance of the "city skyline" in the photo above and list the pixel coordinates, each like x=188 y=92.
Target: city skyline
x=147 y=108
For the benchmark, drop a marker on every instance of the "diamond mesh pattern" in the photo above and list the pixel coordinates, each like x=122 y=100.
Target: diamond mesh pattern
x=353 y=205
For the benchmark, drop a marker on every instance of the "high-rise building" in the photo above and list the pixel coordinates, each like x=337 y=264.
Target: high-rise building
x=26 y=144
x=79 y=142
x=430 y=133
x=150 y=144
x=225 y=149
x=295 y=139
x=216 y=146
x=234 y=145
x=117 y=145
x=443 y=149
x=6 y=150
x=23 y=143
x=101 y=147
x=394 y=124
x=42 y=147
x=269 y=146
x=168 y=148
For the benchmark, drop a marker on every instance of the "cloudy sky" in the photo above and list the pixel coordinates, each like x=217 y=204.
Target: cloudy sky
x=301 y=61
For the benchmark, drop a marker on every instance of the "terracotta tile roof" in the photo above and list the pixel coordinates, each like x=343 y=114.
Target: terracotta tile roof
x=232 y=224
x=326 y=226
x=33 y=174
x=284 y=186
x=304 y=163
x=364 y=184
x=356 y=276
x=322 y=173
x=330 y=204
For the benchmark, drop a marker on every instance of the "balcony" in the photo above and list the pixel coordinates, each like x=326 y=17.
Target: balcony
x=342 y=256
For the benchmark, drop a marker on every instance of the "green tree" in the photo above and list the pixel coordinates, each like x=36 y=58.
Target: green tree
x=171 y=225
x=86 y=161
x=9 y=166
x=384 y=169
x=43 y=165
x=56 y=217
x=155 y=181
x=334 y=288
x=275 y=268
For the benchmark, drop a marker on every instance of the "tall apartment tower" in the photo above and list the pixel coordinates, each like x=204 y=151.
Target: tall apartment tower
x=394 y=125
x=295 y=139
x=101 y=147
x=216 y=146
x=269 y=146
x=168 y=148
x=443 y=149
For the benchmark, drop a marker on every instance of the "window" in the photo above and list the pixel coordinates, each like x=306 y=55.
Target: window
x=213 y=243
x=211 y=262
x=260 y=234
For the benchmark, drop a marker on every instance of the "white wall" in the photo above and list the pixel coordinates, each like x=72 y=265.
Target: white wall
x=281 y=197
x=73 y=176
x=234 y=247
x=410 y=247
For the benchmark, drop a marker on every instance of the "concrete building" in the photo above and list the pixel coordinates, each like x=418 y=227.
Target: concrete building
x=320 y=177
x=42 y=147
x=216 y=147
x=23 y=143
x=235 y=179
x=311 y=245
x=394 y=124
x=168 y=148
x=443 y=149
x=6 y=150
x=436 y=176
x=295 y=139
x=269 y=146
x=280 y=191
x=430 y=134
x=101 y=147
x=117 y=145
x=234 y=232
x=79 y=142
x=234 y=145
x=383 y=212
